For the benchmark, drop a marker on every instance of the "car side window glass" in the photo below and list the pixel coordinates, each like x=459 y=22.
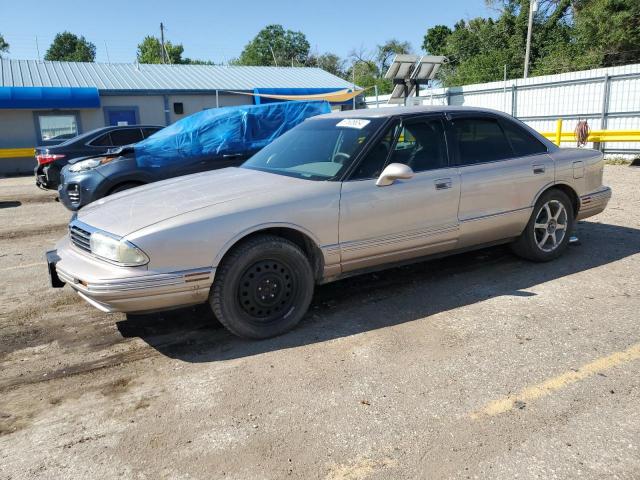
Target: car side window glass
x=480 y=140
x=147 y=132
x=372 y=165
x=523 y=142
x=102 y=141
x=421 y=145
x=125 y=136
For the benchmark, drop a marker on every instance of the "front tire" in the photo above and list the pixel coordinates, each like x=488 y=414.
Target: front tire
x=262 y=288
x=547 y=233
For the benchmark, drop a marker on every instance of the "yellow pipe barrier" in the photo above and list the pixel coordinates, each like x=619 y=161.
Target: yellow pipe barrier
x=558 y=131
x=594 y=135
x=17 y=152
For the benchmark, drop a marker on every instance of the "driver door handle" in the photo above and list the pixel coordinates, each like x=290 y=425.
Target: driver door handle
x=442 y=183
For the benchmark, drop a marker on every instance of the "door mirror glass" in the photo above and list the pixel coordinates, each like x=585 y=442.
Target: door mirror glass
x=393 y=172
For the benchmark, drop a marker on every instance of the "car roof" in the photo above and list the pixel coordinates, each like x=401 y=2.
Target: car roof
x=386 y=112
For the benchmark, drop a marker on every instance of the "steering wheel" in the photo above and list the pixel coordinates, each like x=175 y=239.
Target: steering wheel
x=341 y=157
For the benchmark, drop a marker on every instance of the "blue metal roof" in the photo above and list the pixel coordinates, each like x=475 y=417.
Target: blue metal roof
x=115 y=77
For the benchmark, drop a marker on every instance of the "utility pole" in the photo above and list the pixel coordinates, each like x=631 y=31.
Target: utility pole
x=107 y=51
x=533 y=8
x=353 y=75
x=164 y=56
x=37 y=48
x=274 y=56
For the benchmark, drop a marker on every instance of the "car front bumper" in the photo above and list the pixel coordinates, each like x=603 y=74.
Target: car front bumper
x=594 y=203
x=112 y=288
x=79 y=189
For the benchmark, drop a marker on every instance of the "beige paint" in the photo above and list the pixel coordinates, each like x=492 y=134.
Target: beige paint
x=189 y=223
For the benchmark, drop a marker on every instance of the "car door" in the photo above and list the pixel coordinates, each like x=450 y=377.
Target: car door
x=502 y=169
x=409 y=218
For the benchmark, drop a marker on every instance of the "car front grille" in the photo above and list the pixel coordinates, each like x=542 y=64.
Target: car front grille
x=80 y=238
x=73 y=192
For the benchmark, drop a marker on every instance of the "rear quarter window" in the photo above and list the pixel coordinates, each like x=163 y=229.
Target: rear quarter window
x=480 y=140
x=523 y=142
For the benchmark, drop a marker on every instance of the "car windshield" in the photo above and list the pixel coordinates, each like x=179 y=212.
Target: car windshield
x=318 y=149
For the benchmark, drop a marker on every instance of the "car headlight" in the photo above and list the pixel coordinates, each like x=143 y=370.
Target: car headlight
x=89 y=164
x=116 y=250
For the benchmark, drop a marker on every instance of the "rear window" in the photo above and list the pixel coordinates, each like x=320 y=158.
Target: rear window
x=102 y=141
x=125 y=136
x=523 y=142
x=148 y=131
x=480 y=140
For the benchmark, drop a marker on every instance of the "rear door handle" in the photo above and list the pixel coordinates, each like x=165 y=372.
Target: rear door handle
x=442 y=183
x=538 y=169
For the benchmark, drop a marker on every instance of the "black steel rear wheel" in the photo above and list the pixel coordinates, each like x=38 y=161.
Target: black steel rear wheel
x=262 y=288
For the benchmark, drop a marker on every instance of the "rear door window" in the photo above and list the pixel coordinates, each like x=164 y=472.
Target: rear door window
x=125 y=136
x=147 y=132
x=523 y=142
x=480 y=140
x=102 y=141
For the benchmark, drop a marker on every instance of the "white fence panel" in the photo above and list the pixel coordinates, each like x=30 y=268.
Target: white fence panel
x=608 y=98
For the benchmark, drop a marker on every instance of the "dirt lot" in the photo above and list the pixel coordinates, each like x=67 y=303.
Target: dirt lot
x=475 y=366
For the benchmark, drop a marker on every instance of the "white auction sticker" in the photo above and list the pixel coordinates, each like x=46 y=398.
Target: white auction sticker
x=353 y=123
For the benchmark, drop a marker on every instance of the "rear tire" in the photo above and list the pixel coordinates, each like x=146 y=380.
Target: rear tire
x=547 y=233
x=262 y=288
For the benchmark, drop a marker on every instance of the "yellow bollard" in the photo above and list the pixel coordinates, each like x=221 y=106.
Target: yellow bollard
x=558 y=131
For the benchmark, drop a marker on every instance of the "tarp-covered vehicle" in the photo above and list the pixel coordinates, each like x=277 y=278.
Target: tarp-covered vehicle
x=207 y=140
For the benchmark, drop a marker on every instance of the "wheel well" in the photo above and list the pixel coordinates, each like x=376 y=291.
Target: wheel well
x=134 y=183
x=306 y=244
x=571 y=193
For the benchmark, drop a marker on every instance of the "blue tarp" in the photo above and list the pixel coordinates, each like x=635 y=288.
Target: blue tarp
x=227 y=130
x=49 y=97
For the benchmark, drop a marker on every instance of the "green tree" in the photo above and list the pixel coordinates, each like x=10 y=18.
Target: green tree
x=369 y=68
x=567 y=35
x=273 y=45
x=195 y=61
x=435 y=40
x=69 y=47
x=389 y=49
x=329 y=62
x=4 y=46
x=150 y=51
x=608 y=30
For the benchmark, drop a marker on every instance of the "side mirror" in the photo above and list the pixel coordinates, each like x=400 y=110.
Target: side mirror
x=393 y=172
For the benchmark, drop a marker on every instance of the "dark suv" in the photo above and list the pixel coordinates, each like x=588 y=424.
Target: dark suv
x=207 y=140
x=52 y=158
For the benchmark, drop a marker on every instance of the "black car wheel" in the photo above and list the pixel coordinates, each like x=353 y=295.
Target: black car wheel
x=262 y=288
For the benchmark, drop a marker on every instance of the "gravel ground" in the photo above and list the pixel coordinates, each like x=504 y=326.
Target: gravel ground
x=476 y=366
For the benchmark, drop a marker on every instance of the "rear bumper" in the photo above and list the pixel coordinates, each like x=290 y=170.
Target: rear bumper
x=594 y=203
x=111 y=288
x=47 y=176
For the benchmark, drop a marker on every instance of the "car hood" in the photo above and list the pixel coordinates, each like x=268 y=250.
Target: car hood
x=126 y=212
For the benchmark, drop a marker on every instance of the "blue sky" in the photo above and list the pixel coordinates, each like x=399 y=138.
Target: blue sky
x=218 y=30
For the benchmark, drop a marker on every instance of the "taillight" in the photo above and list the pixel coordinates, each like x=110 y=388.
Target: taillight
x=45 y=158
